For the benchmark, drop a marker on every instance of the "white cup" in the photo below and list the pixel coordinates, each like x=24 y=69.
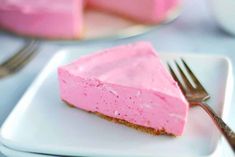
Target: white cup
x=224 y=12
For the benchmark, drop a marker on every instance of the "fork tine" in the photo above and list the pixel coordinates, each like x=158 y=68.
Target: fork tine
x=23 y=59
x=194 y=78
x=23 y=55
x=19 y=53
x=176 y=78
x=184 y=77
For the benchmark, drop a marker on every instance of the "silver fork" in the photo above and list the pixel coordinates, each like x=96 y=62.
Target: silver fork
x=20 y=59
x=197 y=95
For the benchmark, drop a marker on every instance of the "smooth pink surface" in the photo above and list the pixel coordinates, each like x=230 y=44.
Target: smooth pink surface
x=127 y=82
x=63 y=19
x=147 y=11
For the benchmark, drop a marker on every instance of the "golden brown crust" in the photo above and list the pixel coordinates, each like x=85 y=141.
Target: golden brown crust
x=135 y=126
x=124 y=122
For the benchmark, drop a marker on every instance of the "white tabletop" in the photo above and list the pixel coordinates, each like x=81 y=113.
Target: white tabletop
x=194 y=31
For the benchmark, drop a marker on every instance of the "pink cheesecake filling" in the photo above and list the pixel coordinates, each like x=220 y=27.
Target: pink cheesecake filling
x=147 y=11
x=126 y=82
x=63 y=19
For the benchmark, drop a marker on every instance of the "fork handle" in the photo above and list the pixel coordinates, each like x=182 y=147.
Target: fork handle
x=223 y=127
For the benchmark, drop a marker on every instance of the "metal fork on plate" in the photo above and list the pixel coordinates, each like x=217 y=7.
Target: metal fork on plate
x=19 y=59
x=197 y=95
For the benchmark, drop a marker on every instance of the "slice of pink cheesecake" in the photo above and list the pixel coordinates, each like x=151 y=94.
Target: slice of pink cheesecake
x=147 y=11
x=128 y=84
x=62 y=19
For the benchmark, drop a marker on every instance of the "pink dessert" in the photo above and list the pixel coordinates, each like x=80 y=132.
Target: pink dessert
x=42 y=18
x=147 y=11
x=63 y=19
x=129 y=84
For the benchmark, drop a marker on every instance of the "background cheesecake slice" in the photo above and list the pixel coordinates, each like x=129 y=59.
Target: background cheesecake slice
x=128 y=84
x=64 y=19
x=60 y=19
x=145 y=11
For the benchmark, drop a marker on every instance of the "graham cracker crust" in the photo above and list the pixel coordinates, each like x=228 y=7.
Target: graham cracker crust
x=148 y=130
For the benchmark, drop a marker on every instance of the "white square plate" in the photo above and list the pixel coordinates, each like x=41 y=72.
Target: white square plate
x=42 y=123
